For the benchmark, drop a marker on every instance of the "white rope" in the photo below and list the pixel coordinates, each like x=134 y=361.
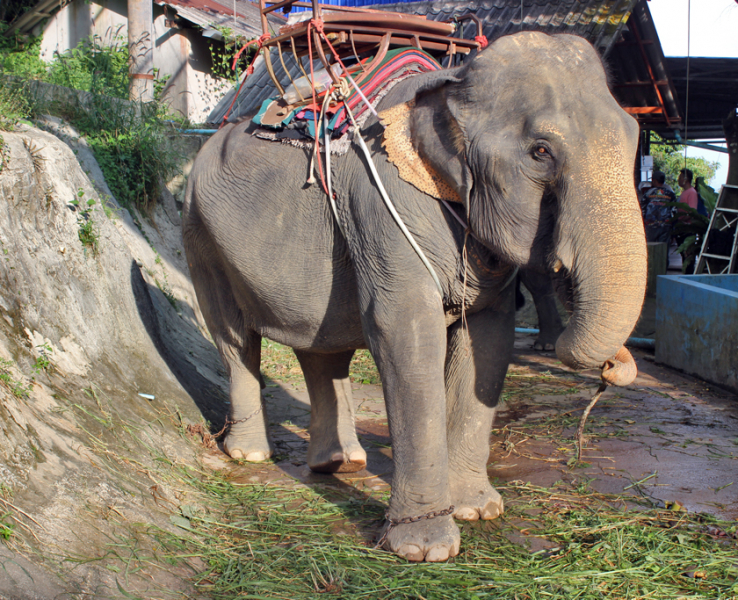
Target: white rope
x=390 y=206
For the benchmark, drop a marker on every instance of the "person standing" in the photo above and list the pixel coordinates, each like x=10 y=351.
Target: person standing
x=689 y=194
x=657 y=218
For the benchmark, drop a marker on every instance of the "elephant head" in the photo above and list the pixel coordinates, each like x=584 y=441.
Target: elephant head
x=529 y=138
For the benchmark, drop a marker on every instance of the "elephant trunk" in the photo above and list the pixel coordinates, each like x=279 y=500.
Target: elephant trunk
x=600 y=240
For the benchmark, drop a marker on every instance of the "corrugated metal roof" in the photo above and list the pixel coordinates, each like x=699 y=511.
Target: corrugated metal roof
x=259 y=86
x=621 y=30
x=713 y=93
x=599 y=21
x=211 y=15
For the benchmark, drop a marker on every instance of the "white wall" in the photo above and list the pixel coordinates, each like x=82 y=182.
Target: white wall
x=183 y=54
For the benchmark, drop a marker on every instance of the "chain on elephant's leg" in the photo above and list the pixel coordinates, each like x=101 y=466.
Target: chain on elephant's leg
x=247 y=436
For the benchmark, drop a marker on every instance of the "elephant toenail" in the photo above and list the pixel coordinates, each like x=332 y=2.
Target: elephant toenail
x=466 y=513
x=437 y=554
x=256 y=456
x=237 y=454
x=411 y=552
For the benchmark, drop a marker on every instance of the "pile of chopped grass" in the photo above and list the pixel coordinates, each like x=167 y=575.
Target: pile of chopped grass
x=262 y=541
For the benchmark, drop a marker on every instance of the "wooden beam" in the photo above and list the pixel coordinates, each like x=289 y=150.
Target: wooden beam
x=643 y=110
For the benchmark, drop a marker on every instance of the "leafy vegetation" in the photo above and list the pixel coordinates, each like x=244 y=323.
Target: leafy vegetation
x=93 y=66
x=131 y=142
x=6 y=528
x=669 y=158
x=87 y=232
x=8 y=379
x=271 y=542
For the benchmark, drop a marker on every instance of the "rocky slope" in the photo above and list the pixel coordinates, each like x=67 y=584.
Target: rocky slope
x=103 y=361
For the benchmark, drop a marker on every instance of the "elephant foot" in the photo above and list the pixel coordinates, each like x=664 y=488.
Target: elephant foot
x=476 y=500
x=546 y=341
x=430 y=540
x=251 y=448
x=542 y=346
x=336 y=458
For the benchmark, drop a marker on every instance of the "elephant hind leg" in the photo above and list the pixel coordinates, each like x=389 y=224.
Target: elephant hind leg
x=334 y=447
x=239 y=349
x=550 y=326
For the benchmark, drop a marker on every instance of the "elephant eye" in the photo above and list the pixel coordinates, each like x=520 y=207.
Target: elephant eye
x=541 y=151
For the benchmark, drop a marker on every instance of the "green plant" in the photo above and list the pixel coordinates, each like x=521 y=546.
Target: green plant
x=14 y=106
x=6 y=377
x=87 y=232
x=43 y=360
x=94 y=65
x=133 y=150
x=20 y=56
x=6 y=528
x=223 y=52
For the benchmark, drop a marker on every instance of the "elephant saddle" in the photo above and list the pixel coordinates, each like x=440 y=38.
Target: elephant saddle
x=279 y=121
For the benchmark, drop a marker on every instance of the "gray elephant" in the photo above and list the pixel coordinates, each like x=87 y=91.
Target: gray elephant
x=529 y=142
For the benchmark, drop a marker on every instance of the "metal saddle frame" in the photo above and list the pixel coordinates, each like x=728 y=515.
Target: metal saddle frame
x=340 y=32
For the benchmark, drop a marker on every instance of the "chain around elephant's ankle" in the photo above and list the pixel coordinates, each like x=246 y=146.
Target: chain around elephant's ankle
x=228 y=422
x=407 y=520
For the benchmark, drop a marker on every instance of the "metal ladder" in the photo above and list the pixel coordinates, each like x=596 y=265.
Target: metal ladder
x=724 y=217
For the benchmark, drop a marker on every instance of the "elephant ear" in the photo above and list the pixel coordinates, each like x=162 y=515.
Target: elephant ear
x=426 y=143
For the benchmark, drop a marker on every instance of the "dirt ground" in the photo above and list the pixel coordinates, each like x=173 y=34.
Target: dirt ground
x=668 y=437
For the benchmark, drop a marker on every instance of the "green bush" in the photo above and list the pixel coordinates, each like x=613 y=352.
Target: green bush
x=131 y=145
x=129 y=140
x=14 y=105
x=93 y=67
x=20 y=56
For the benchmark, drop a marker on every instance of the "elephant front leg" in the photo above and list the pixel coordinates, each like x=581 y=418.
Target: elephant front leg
x=478 y=357
x=409 y=352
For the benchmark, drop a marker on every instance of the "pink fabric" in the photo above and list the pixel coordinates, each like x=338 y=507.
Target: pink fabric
x=689 y=197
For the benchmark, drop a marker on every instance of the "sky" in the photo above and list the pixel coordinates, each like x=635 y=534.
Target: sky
x=713 y=32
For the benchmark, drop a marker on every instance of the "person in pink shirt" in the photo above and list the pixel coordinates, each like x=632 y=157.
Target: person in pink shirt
x=689 y=194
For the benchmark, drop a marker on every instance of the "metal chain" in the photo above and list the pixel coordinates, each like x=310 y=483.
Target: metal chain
x=407 y=520
x=228 y=422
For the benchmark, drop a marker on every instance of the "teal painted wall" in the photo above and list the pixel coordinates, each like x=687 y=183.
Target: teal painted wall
x=697 y=326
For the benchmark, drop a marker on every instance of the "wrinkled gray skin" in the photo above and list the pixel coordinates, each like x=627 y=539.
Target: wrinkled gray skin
x=541 y=154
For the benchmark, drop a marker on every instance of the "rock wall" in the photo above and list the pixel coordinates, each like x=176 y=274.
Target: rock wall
x=85 y=330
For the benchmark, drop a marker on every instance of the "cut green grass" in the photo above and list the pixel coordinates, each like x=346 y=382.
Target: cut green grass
x=262 y=541
x=276 y=540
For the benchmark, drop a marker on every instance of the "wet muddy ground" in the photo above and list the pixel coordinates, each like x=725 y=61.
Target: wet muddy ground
x=669 y=438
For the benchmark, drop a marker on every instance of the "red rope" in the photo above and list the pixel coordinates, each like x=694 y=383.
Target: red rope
x=482 y=41
x=249 y=71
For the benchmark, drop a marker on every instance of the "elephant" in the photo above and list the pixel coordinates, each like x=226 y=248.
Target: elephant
x=531 y=151
x=541 y=288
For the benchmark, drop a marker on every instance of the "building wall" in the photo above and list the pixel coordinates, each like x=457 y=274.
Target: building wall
x=182 y=54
